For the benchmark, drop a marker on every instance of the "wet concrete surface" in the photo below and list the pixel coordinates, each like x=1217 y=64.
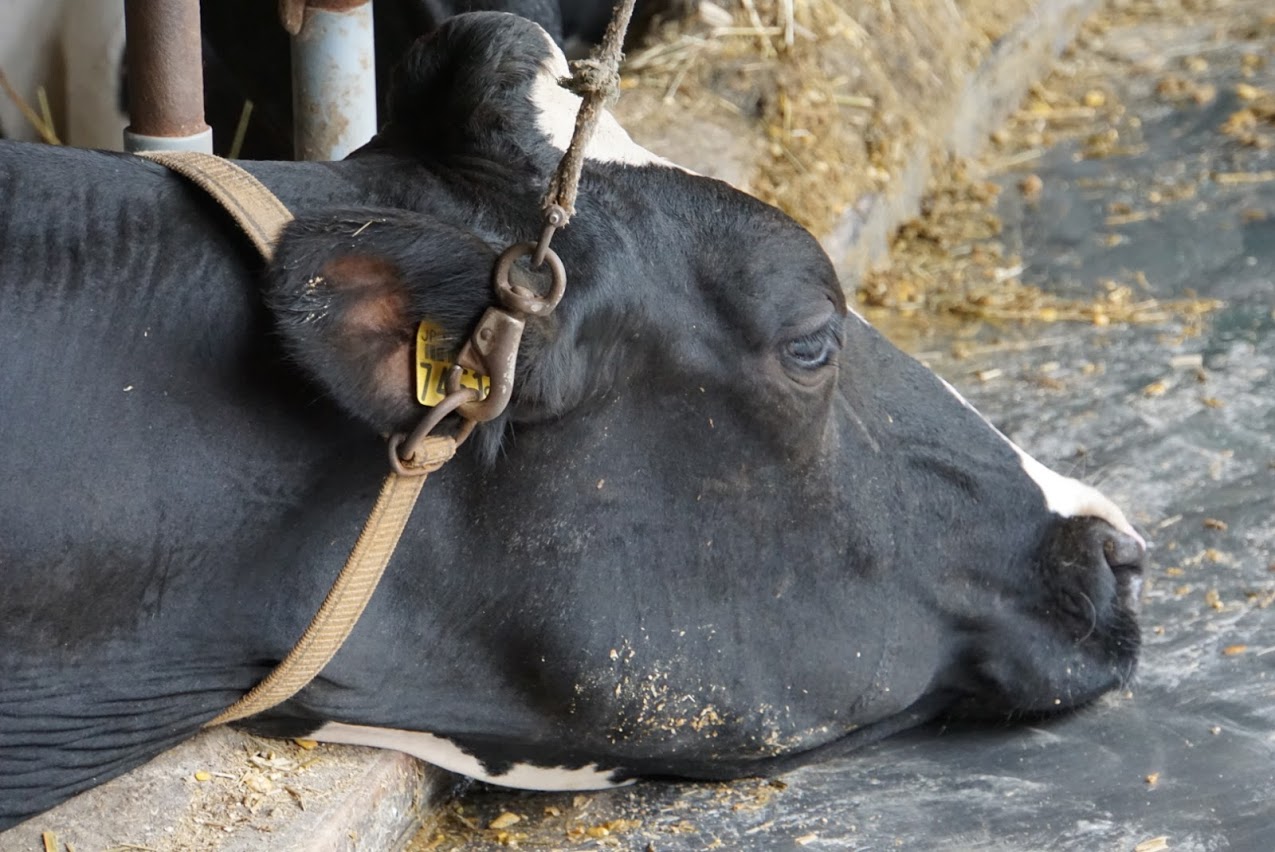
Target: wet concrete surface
x=1175 y=421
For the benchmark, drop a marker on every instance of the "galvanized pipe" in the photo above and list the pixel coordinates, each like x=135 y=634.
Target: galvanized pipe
x=165 y=77
x=333 y=79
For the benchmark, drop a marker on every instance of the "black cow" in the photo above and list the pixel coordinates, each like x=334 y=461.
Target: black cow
x=724 y=528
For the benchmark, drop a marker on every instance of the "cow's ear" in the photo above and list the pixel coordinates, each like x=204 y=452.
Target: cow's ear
x=348 y=290
x=468 y=93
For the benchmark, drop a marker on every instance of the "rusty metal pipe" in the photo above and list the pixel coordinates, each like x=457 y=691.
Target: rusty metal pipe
x=165 y=77
x=333 y=77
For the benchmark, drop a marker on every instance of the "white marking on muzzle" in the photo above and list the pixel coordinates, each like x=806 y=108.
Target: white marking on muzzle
x=448 y=755
x=557 y=109
x=1064 y=496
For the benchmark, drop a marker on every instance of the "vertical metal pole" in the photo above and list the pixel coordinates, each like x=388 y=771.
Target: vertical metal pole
x=165 y=77
x=333 y=79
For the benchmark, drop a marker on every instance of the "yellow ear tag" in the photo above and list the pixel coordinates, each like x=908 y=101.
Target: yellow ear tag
x=432 y=365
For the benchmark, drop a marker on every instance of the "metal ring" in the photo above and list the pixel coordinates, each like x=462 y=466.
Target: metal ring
x=537 y=306
x=468 y=423
x=396 y=463
x=542 y=247
x=402 y=448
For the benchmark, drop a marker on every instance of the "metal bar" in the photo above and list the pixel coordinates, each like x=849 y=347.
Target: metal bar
x=165 y=77
x=333 y=79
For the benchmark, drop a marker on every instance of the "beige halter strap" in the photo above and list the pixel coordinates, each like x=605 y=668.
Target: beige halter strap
x=263 y=218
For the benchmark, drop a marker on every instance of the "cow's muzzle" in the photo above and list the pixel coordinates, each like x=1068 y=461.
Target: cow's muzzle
x=1096 y=568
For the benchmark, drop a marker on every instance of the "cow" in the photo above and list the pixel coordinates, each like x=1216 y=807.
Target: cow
x=724 y=528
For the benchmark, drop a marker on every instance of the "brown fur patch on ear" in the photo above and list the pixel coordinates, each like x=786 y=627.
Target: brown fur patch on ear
x=374 y=332
x=373 y=294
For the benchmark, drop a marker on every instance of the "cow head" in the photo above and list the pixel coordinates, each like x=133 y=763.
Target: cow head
x=723 y=524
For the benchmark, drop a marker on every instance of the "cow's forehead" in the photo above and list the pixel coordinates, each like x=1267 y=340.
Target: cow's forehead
x=556 y=109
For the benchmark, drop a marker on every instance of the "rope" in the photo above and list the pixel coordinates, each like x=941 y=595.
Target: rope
x=597 y=81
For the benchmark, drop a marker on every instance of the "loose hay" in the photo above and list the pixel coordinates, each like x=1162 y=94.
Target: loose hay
x=832 y=93
x=950 y=260
x=42 y=121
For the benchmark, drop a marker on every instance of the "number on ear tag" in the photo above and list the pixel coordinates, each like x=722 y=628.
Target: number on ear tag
x=433 y=364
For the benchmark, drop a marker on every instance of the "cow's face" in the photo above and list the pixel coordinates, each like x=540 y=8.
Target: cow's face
x=723 y=520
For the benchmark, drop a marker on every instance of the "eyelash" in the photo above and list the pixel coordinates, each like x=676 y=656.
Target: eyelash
x=817 y=349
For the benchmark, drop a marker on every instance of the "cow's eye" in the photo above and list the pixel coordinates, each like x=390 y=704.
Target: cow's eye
x=814 y=350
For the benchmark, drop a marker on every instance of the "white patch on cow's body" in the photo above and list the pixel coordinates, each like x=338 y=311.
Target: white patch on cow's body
x=448 y=755
x=557 y=109
x=1064 y=496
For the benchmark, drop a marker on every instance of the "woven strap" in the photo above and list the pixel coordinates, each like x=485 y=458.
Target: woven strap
x=253 y=207
x=345 y=602
x=263 y=218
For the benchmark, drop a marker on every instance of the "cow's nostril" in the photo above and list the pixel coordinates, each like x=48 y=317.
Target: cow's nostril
x=1124 y=555
x=1123 y=551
